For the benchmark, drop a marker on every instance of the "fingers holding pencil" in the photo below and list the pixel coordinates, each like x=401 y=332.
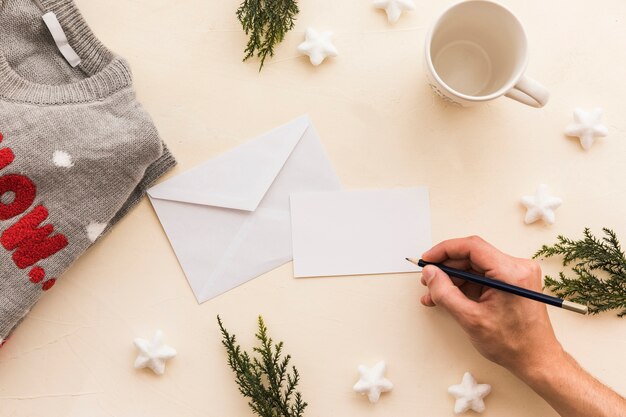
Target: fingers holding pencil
x=504 y=275
x=469 y=289
x=444 y=293
x=464 y=254
x=475 y=255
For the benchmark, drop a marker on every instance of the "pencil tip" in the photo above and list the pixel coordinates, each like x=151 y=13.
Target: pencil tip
x=408 y=259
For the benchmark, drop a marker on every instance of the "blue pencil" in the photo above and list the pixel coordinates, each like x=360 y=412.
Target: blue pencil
x=503 y=286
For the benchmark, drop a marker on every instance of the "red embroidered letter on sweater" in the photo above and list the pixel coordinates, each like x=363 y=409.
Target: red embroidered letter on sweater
x=6 y=157
x=21 y=186
x=32 y=243
x=24 y=194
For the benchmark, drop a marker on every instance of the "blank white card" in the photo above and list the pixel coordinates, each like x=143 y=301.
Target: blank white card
x=359 y=232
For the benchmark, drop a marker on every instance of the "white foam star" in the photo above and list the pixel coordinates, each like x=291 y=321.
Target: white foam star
x=373 y=382
x=394 y=8
x=94 y=230
x=317 y=46
x=62 y=159
x=587 y=126
x=541 y=205
x=153 y=353
x=469 y=394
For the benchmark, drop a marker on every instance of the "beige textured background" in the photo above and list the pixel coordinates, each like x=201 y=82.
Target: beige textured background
x=382 y=127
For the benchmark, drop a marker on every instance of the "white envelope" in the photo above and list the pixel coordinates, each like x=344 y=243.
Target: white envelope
x=228 y=220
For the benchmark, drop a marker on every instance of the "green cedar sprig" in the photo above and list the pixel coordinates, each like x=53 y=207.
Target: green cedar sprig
x=265 y=379
x=587 y=256
x=266 y=22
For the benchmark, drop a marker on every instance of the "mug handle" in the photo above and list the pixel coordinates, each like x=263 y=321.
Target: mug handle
x=529 y=92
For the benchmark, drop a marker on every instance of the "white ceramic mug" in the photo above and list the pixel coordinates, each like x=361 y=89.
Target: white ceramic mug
x=477 y=51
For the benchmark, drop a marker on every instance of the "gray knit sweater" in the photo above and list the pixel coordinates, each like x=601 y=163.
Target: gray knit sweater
x=77 y=150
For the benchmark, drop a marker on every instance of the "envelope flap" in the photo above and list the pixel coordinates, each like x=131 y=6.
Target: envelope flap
x=237 y=179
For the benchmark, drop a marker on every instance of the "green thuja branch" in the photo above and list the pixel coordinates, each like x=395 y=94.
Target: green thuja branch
x=266 y=22
x=587 y=256
x=266 y=378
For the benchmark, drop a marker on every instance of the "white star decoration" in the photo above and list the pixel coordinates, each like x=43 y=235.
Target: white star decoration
x=154 y=353
x=317 y=46
x=587 y=126
x=373 y=382
x=469 y=394
x=394 y=8
x=541 y=206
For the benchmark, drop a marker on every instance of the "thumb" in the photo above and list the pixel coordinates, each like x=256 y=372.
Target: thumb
x=445 y=294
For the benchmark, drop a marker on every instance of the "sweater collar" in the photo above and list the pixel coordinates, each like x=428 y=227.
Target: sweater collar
x=106 y=72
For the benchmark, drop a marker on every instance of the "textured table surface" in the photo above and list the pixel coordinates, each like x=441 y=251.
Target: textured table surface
x=382 y=127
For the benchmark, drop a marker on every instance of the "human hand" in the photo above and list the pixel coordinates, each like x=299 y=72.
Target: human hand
x=509 y=330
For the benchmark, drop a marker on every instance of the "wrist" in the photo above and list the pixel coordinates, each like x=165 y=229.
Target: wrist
x=569 y=389
x=540 y=362
x=545 y=367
